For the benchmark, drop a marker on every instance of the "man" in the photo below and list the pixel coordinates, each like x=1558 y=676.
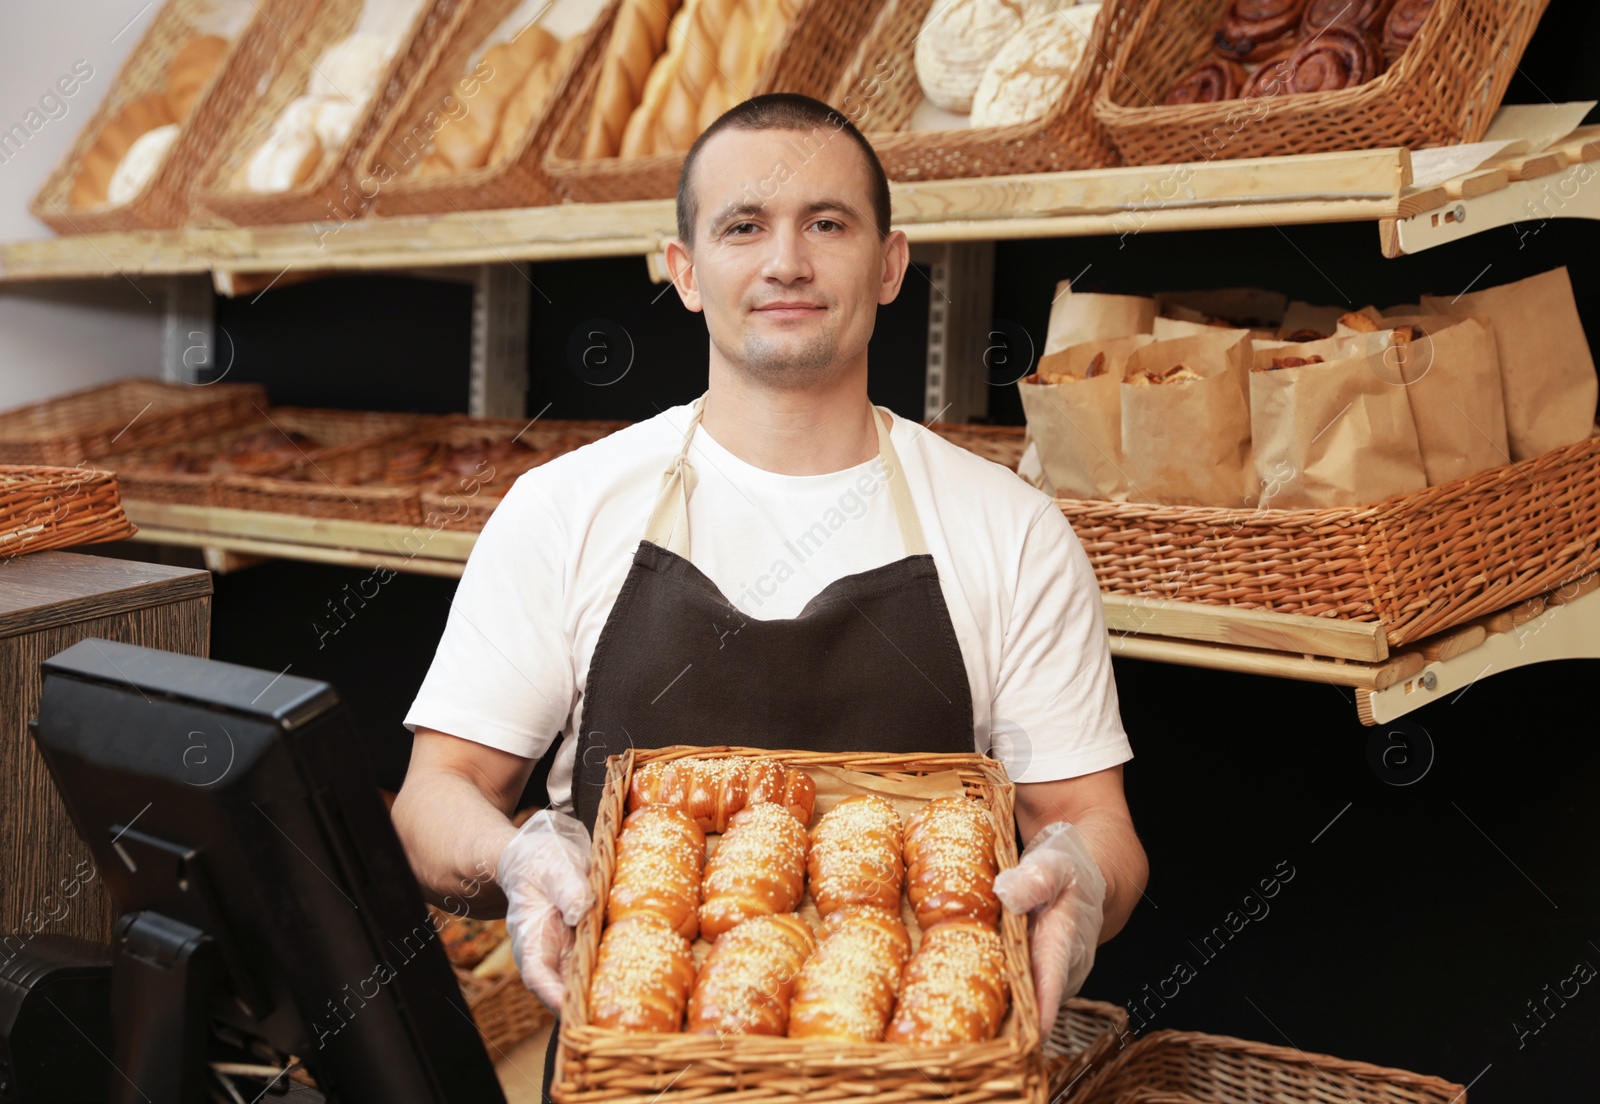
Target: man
x=814 y=573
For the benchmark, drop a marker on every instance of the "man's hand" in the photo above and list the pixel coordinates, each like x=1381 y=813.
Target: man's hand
x=1058 y=882
x=544 y=873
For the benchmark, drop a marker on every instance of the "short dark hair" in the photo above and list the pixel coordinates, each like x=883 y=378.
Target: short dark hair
x=781 y=111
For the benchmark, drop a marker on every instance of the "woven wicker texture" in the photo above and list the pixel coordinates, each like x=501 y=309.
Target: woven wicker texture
x=1416 y=563
x=879 y=91
x=127 y=414
x=504 y=1009
x=466 y=501
x=1443 y=89
x=165 y=200
x=1223 y=1070
x=152 y=475
x=335 y=190
x=346 y=481
x=519 y=180
x=1002 y=444
x=1084 y=1037
x=808 y=60
x=595 y=1064
x=43 y=507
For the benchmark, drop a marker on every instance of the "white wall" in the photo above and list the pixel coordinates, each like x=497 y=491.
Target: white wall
x=62 y=335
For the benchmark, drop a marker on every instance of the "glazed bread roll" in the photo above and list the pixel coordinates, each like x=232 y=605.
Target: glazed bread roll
x=950 y=863
x=846 y=990
x=1031 y=71
x=758 y=868
x=660 y=854
x=638 y=38
x=958 y=40
x=954 y=989
x=191 y=69
x=139 y=164
x=138 y=116
x=642 y=976
x=856 y=855
x=713 y=790
x=747 y=980
x=639 y=135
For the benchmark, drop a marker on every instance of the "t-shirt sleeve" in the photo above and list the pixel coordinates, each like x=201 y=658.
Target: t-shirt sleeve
x=503 y=672
x=1055 y=705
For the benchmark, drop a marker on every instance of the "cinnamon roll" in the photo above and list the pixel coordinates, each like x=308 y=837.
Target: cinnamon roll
x=1253 y=30
x=1212 y=80
x=1404 y=21
x=1340 y=56
x=1366 y=14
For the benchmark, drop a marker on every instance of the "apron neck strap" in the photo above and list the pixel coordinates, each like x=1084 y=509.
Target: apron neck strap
x=668 y=526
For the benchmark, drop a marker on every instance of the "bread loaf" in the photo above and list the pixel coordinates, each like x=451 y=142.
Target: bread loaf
x=954 y=989
x=291 y=152
x=846 y=989
x=958 y=40
x=191 y=70
x=855 y=855
x=466 y=142
x=139 y=164
x=1031 y=71
x=638 y=38
x=747 y=980
x=642 y=976
x=138 y=116
x=757 y=869
x=660 y=854
x=950 y=863
x=531 y=100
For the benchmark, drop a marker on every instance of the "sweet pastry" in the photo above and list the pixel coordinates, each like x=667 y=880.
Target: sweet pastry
x=1031 y=70
x=747 y=980
x=1178 y=373
x=1255 y=30
x=856 y=855
x=713 y=790
x=954 y=989
x=758 y=868
x=191 y=70
x=957 y=41
x=1212 y=80
x=950 y=863
x=846 y=990
x=1339 y=56
x=642 y=976
x=140 y=163
x=660 y=855
x=466 y=941
x=638 y=38
x=1369 y=15
x=1404 y=21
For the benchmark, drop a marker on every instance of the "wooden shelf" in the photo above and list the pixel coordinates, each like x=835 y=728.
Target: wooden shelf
x=1330 y=187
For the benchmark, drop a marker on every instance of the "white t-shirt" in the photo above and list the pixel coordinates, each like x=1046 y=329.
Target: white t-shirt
x=511 y=668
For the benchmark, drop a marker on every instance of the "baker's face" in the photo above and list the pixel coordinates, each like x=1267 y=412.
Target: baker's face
x=787 y=263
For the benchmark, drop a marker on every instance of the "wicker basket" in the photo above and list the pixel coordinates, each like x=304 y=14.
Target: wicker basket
x=519 y=180
x=335 y=192
x=1066 y=137
x=165 y=200
x=1085 y=1036
x=154 y=475
x=504 y=1010
x=1223 y=1070
x=1444 y=89
x=1002 y=444
x=44 y=508
x=465 y=502
x=815 y=48
x=346 y=481
x=595 y=1064
x=127 y=414
x=1417 y=563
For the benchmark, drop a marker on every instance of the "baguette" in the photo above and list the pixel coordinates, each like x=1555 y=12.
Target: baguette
x=638 y=38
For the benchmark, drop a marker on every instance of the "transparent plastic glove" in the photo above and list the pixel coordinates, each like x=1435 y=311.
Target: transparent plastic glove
x=544 y=873
x=1060 y=885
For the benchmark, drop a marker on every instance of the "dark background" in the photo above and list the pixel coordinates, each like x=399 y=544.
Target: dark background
x=1423 y=915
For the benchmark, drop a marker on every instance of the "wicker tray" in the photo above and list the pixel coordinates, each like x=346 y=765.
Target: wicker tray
x=165 y=200
x=1002 y=444
x=148 y=475
x=335 y=192
x=519 y=180
x=1085 y=1036
x=1223 y=1070
x=1066 y=137
x=127 y=414
x=815 y=48
x=595 y=1064
x=1444 y=89
x=465 y=502
x=44 y=508
x=504 y=1010
x=345 y=481
x=1417 y=563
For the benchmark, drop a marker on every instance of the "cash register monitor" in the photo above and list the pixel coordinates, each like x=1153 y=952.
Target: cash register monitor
x=263 y=906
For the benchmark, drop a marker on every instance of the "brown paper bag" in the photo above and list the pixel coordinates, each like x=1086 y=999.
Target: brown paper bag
x=1245 y=308
x=1309 y=316
x=1330 y=434
x=1076 y=318
x=1187 y=443
x=1547 y=374
x=1451 y=377
x=1077 y=427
